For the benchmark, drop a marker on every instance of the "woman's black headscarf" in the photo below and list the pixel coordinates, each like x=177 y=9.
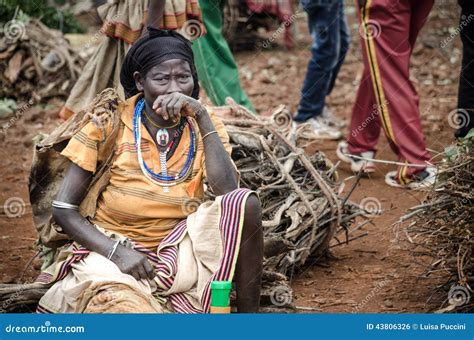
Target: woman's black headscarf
x=151 y=50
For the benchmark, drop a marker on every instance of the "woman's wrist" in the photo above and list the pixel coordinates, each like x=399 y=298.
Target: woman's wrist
x=200 y=113
x=204 y=122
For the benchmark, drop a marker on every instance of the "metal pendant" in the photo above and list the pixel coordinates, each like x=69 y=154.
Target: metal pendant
x=162 y=137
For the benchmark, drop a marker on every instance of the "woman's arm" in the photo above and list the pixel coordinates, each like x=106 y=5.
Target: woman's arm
x=73 y=190
x=221 y=173
x=156 y=9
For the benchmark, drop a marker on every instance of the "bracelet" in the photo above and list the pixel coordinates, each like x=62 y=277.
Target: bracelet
x=64 y=205
x=209 y=133
x=112 y=251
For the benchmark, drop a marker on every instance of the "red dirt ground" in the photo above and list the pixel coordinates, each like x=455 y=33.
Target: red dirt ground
x=372 y=274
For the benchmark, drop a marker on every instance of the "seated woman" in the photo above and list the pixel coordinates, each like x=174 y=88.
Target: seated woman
x=148 y=249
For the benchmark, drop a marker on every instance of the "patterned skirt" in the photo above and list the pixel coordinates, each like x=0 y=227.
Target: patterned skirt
x=201 y=249
x=124 y=19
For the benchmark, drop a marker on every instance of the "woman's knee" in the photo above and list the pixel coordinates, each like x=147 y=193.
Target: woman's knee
x=253 y=209
x=252 y=236
x=253 y=214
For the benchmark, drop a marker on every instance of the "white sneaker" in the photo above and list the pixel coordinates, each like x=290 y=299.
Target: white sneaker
x=357 y=165
x=330 y=119
x=320 y=129
x=423 y=180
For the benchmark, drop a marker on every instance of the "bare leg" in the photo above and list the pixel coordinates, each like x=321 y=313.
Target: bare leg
x=248 y=273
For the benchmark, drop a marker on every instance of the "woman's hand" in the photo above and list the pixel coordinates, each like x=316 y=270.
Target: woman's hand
x=133 y=262
x=172 y=106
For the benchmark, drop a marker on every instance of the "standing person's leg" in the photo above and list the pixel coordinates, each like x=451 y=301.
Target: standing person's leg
x=365 y=125
x=344 y=43
x=324 y=27
x=215 y=64
x=389 y=57
x=419 y=15
x=465 y=117
x=364 y=128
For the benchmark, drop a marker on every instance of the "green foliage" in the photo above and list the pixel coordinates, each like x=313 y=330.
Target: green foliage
x=43 y=10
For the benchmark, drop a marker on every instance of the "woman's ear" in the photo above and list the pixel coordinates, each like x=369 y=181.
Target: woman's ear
x=138 y=80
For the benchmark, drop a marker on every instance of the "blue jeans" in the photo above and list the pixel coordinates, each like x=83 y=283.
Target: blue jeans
x=331 y=38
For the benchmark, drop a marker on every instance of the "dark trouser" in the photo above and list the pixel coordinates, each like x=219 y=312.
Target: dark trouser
x=328 y=27
x=466 y=79
x=386 y=98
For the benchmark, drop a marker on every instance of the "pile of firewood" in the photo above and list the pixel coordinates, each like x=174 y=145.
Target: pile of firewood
x=442 y=228
x=303 y=215
x=36 y=62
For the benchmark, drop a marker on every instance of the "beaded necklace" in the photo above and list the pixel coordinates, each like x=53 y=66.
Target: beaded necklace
x=163 y=179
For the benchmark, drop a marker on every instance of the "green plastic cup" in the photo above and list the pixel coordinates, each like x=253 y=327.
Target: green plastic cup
x=220 y=293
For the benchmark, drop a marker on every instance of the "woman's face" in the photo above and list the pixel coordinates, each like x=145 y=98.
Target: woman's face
x=170 y=76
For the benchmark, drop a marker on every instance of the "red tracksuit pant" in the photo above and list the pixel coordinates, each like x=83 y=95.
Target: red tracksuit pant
x=386 y=98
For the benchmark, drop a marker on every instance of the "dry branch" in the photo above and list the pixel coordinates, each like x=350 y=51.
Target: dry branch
x=38 y=63
x=302 y=213
x=443 y=228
